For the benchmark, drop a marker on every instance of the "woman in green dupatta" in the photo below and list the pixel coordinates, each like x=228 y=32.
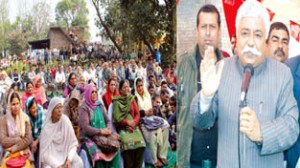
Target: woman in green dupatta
x=126 y=117
x=93 y=120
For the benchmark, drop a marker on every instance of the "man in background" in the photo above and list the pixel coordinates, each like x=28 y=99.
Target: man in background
x=278 y=42
x=197 y=146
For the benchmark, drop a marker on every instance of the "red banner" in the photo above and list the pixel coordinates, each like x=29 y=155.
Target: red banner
x=271 y=14
x=230 y=10
x=295 y=30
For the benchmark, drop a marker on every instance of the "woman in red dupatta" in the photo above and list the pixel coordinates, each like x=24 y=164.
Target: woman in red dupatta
x=110 y=92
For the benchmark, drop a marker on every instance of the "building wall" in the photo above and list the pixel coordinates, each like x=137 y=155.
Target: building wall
x=186 y=26
x=58 y=39
x=59 y=36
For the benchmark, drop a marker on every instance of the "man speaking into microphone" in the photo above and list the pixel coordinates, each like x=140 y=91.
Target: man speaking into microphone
x=258 y=122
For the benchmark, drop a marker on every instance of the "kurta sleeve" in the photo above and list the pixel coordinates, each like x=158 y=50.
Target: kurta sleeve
x=84 y=122
x=25 y=141
x=66 y=92
x=135 y=112
x=204 y=115
x=44 y=97
x=5 y=140
x=282 y=132
x=72 y=153
x=107 y=120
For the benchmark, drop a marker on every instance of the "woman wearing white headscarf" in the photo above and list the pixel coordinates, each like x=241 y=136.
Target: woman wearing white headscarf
x=15 y=133
x=157 y=136
x=58 y=143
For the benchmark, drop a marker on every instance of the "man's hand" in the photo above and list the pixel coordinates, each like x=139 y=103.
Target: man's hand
x=210 y=72
x=249 y=124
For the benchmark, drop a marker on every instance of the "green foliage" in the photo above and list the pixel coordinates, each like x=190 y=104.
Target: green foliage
x=14 y=36
x=72 y=13
x=147 y=21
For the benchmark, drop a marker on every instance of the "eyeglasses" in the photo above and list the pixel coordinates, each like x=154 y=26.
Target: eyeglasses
x=94 y=91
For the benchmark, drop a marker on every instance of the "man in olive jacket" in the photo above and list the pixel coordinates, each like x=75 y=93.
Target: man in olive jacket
x=196 y=146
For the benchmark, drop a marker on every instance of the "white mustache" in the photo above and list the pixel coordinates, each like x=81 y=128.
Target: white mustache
x=254 y=51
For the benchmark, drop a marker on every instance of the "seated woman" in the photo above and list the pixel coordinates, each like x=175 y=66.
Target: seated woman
x=58 y=143
x=71 y=85
x=111 y=91
x=29 y=93
x=15 y=134
x=38 y=88
x=93 y=121
x=157 y=136
x=126 y=117
x=71 y=108
x=37 y=119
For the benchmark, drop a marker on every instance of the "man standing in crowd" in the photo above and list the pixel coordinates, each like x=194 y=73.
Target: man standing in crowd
x=278 y=41
x=278 y=45
x=253 y=133
x=292 y=155
x=196 y=146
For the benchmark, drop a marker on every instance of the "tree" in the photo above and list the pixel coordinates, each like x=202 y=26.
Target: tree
x=20 y=34
x=4 y=27
x=40 y=16
x=134 y=21
x=108 y=29
x=72 y=13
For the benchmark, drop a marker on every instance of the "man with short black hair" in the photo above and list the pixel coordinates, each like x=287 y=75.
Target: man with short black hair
x=278 y=41
x=195 y=146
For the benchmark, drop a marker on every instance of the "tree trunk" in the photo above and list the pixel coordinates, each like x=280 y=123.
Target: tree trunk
x=106 y=28
x=149 y=47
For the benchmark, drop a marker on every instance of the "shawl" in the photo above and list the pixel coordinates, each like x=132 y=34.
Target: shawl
x=57 y=139
x=27 y=95
x=144 y=101
x=87 y=96
x=16 y=127
x=36 y=122
x=108 y=95
x=40 y=91
x=72 y=113
x=121 y=108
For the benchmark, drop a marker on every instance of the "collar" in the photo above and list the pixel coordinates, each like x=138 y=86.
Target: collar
x=257 y=70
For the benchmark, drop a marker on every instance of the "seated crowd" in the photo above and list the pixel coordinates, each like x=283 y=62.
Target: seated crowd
x=135 y=102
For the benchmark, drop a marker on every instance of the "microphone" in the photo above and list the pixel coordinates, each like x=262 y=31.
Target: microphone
x=248 y=72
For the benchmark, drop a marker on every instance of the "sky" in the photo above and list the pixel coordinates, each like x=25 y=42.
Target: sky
x=14 y=7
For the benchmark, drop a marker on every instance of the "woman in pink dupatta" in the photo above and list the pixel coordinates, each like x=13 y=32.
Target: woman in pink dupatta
x=30 y=92
x=38 y=89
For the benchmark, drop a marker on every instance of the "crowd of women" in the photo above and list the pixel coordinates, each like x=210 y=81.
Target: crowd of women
x=37 y=131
